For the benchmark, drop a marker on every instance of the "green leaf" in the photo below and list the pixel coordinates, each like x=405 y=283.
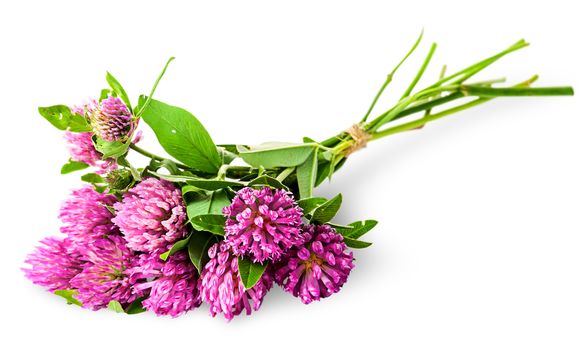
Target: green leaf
x=309 y=204
x=93 y=178
x=60 y=116
x=179 y=245
x=111 y=149
x=322 y=173
x=104 y=94
x=357 y=229
x=203 y=202
x=78 y=123
x=213 y=223
x=118 y=89
x=276 y=154
x=198 y=247
x=266 y=180
x=69 y=295
x=136 y=307
x=141 y=106
x=306 y=175
x=328 y=210
x=115 y=306
x=250 y=272
x=226 y=156
x=182 y=136
x=338 y=227
x=354 y=243
x=72 y=166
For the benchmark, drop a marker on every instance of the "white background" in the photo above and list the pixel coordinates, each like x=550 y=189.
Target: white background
x=482 y=235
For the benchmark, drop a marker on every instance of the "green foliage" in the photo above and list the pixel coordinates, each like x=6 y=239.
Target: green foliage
x=198 y=247
x=357 y=229
x=69 y=295
x=354 y=243
x=179 y=245
x=135 y=307
x=276 y=154
x=60 y=116
x=72 y=166
x=93 y=178
x=309 y=204
x=118 y=90
x=182 y=135
x=111 y=149
x=115 y=306
x=250 y=272
x=213 y=223
x=306 y=175
x=204 y=202
x=326 y=211
x=269 y=181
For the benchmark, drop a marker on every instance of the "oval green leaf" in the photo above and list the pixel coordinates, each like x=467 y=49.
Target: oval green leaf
x=266 y=180
x=327 y=211
x=306 y=175
x=276 y=154
x=198 y=247
x=175 y=248
x=250 y=272
x=213 y=223
x=69 y=295
x=72 y=166
x=182 y=135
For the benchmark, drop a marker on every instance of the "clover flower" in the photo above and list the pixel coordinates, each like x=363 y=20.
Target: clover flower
x=318 y=268
x=111 y=119
x=221 y=287
x=151 y=215
x=104 y=277
x=86 y=215
x=262 y=223
x=53 y=264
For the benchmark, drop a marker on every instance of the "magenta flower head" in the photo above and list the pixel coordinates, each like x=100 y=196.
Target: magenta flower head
x=104 y=276
x=221 y=287
x=172 y=284
x=86 y=215
x=111 y=119
x=318 y=268
x=151 y=215
x=53 y=264
x=262 y=223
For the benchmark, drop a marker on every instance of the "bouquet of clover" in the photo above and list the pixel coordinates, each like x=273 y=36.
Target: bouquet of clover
x=196 y=228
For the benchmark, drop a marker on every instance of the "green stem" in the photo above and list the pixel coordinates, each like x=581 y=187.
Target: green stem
x=481 y=99
x=482 y=91
x=154 y=88
x=471 y=70
x=154 y=156
x=421 y=71
x=390 y=77
x=283 y=175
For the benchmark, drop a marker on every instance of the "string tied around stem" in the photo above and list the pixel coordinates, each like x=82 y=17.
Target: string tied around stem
x=360 y=138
